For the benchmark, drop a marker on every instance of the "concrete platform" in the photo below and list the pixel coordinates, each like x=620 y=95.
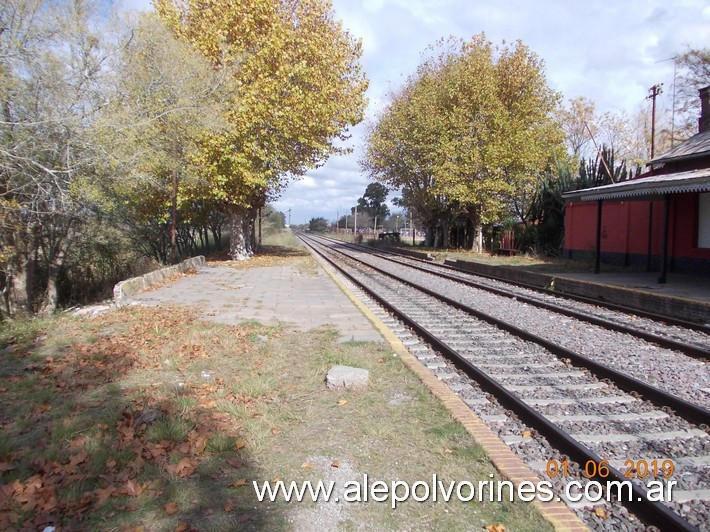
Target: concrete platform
x=270 y=295
x=684 y=297
x=677 y=284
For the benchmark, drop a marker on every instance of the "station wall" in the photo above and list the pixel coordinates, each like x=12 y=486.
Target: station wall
x=625 y=232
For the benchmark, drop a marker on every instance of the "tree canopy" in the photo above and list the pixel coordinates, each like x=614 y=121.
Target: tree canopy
x=297 y=84
x=372 y=202
x=158 y=129
x=165 y=98
x=317 y=225
x=693 y=74
x=51 y=68
x=469 y=133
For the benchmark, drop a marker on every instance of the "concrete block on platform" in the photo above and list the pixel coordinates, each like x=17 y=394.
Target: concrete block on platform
x=346 y=377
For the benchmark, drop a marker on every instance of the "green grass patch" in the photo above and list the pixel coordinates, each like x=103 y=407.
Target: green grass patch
x=448 y=431
x=168 y=429
x=21 y=331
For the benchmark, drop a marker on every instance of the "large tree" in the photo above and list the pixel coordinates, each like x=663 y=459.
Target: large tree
x=693 y=74
x=165 y=98
x=373 y=201
x=52 y=60
x=401 y=150
x=470 y=133
x=578 y=119
x=318 y=225
x=298 y=86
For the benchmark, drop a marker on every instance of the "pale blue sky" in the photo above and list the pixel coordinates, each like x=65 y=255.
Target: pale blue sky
x=605 y=50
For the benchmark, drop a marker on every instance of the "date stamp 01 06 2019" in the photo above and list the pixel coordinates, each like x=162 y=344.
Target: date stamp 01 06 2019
x=633 y=470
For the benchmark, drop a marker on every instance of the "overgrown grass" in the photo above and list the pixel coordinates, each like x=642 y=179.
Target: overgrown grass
x=284 y=239
x=231 y=405
x=536 y=263
x=21 y=332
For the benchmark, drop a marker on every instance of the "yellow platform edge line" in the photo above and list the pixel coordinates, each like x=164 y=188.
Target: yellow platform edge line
x=505 y=461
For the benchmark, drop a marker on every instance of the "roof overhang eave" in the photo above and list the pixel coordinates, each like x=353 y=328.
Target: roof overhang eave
x=653 y=187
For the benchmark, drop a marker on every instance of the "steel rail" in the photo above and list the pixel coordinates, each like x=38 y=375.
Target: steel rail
x=652 y=512
x=692 y=350
x=685 y=409
x=582 y=299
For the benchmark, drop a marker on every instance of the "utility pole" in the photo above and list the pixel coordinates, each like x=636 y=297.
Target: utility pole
x=411 y=227
x=655 y=91
x=289 y=217
x=355 y=231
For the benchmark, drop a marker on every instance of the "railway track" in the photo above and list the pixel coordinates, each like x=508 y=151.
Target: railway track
x=663 y=330
x=551 y=404
x=607 y=340
x=540 y=293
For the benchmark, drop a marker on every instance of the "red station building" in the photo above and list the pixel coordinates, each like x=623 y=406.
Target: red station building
x=659 y=221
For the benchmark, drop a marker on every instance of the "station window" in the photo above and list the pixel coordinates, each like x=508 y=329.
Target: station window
x=704 y=220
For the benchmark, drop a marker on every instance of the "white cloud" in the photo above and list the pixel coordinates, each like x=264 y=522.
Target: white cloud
x=606 y=51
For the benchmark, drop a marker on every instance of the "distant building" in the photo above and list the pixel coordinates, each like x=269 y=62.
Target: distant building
x=659 y=220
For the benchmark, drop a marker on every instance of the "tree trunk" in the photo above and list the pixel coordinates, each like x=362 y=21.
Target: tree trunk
x=258 y=242
x=52 y=294
x=192 y=241
x=173 y=219
x=445 y=230
x=20 y=279
x=216 y=237
x=238 y=240
x=430 y=236
x=248 y=233
x=477 y=244
x=18 y=299
x=478 y=239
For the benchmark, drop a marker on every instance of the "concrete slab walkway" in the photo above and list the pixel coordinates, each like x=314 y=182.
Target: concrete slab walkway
x=270 y=295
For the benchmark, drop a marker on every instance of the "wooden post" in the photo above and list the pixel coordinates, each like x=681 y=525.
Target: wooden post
x=666 y=216
x=598 y=257
x=650 y=235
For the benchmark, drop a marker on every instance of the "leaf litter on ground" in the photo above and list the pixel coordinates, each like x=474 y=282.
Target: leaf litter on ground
x=108 y=424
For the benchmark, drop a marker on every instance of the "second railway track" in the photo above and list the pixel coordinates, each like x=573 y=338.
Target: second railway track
x=576 y=413
x=689 y=338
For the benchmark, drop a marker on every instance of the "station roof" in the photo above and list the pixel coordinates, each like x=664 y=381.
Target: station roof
x=696 y=146
x=646 y=187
